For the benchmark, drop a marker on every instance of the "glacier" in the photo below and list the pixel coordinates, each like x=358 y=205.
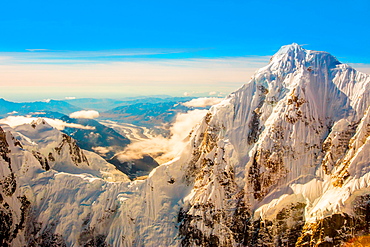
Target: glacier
x=282 y=161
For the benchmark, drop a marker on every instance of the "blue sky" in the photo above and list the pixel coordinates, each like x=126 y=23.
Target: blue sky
x=39 y=36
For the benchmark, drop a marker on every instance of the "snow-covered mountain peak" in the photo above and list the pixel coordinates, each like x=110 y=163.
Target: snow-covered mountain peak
x=292 y=48
x=294 y=56
x=283 y=161
x=315 y=77
x=274 y=134
x=39 y=127
x=39 y=121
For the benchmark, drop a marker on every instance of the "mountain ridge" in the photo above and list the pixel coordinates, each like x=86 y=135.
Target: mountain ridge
x=276 y=125
x=282 y=161
x=8 y=107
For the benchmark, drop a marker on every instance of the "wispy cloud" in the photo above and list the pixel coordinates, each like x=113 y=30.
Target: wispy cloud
x=37 y=50
x=14 y=121
x=202 y=102
x=139 y=71
x=118 y=73
x=115 y=72
x=47 y=56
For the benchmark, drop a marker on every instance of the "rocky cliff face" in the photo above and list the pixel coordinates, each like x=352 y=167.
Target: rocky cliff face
x=14 y=205
x=283 y=161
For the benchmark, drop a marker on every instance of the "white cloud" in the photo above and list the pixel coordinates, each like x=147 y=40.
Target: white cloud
x=84 y=114
x=163 y=149
x=202 y=102
x=101 y=150
x=186 y=94
x=70 y=97
x=212 y=93
x=60 y=125
x=14 y=121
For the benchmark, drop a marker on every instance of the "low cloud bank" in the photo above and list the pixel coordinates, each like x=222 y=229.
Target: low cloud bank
x=14 y=121
x=90 y=114
x=163 y=149
x=203 y=102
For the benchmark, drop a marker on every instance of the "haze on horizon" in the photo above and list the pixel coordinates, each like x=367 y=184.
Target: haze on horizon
x=121 y=48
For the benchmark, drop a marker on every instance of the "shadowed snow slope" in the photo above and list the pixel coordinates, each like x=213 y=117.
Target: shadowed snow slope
x=283 y=161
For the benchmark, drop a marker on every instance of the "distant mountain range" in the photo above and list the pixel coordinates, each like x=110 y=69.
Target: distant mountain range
x=155 y=116
x=7 y=108
x=155 y=113
x=142 y=111
x=106 y=104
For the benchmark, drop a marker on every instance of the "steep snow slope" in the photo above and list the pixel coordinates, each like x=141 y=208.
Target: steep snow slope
x=73 y=197
x=283 y=161
x=34 y=157
x=60 y=152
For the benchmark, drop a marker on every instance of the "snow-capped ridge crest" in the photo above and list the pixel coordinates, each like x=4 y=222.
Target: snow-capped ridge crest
x=294 y=47
x=287 y=52
x=38 y=121
x=39 y=124
x=297 y=56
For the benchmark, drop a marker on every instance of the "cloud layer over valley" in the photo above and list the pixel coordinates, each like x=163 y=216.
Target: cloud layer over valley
x=164 y=149
x=14 y=121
